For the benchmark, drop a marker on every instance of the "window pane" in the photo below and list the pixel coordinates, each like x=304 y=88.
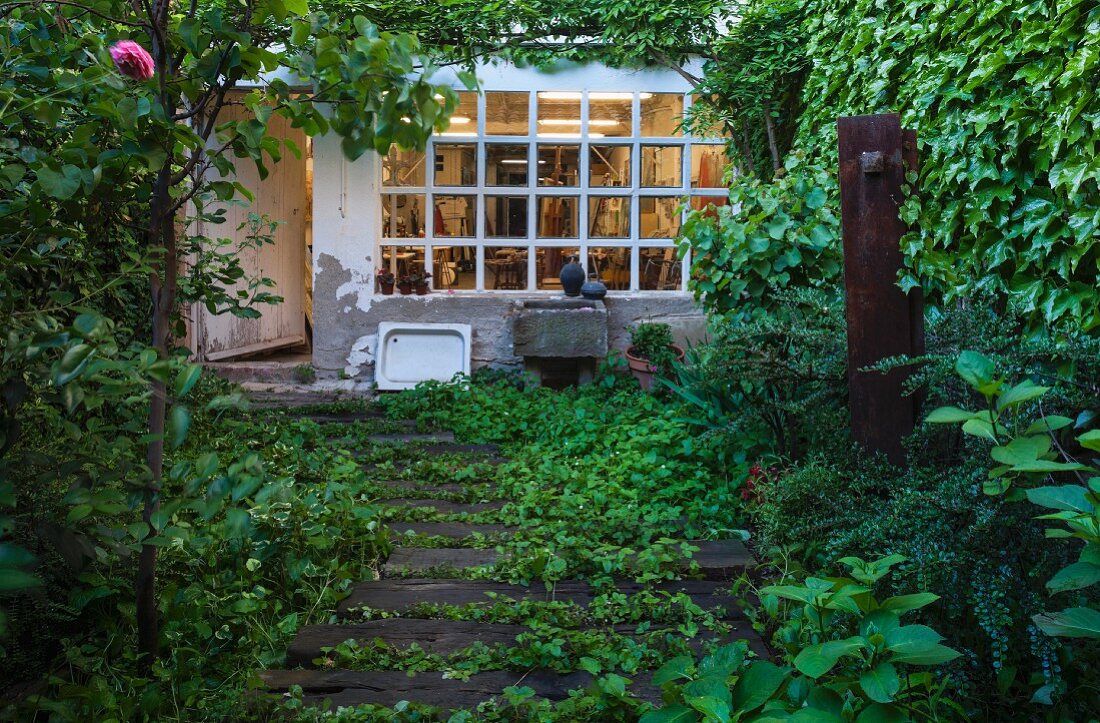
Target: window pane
x=454 y=267
x=608 y=217
x=559 y=113
x=698 y=203
x=403 y=168
x=506 y=267
x=455 y=215
x=659 y=216
x=455 y=164
x=661 y=114
x=506 y=114
x=505 y=164
x=559 y=165
x=708 y=166
x=608 y=165
x=659 y=269
x=706 y=119
x=402 y=260
x=662 y=166
x=464 y=119
x=611 y=266
x=610 y=114
x=506 y=216
x=548 y=263
x=558 y=216
x=403 y=215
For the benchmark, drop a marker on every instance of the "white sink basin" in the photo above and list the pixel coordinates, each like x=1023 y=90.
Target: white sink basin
x=410 y=353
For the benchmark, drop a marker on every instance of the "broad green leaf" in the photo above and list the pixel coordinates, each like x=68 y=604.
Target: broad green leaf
x=60 y=184
x=1049 y=423
x=1023 y=392
x=918 y=645
x=757 y=684
x=1074 y=577
x=905 y=603
x=1070 y=623
x=675 y=713
x=980 y=428
x=1021 y=450
x=179 y=422
x=679 y=668
x=187 y=379
x=1090 y=440
x=819 y=659
x=11 y=579
x=881 y=683
x=883 y=713
x=949 y=415
x=976 y=369
x=1065 y=497
x=297 y=7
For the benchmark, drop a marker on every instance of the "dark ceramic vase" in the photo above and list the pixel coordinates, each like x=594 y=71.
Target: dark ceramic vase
x=572 y=278
x=594 y=289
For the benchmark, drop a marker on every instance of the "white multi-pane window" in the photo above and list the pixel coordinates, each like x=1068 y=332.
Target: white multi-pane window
x=523 y=182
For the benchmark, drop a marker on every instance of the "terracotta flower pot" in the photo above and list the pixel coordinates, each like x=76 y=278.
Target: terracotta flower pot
x=387 y=289
x=405 y=289
x=643 y=370
x=421 y=289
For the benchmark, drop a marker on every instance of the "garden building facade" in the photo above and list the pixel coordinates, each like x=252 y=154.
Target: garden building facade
x=540 y=167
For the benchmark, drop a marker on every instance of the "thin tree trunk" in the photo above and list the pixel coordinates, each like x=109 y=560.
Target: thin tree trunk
x=769 y=124
x=746 y=146
x=162 y=283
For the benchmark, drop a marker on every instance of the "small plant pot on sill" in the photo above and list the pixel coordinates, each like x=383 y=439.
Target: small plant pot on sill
x=421 y=289
x=642 y=370
x=405 y=289
x=386 y=289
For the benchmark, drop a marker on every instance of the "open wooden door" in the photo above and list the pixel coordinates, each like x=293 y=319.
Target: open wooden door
x=282 y=196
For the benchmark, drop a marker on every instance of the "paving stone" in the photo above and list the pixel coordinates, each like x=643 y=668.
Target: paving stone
x=400 y=595
x=446 y=506
x=456 y=530
x=413 y=559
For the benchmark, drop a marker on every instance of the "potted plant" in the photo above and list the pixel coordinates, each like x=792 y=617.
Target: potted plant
x=405 y=284
x=651 y=352
x=420 y=282
x=385 y=281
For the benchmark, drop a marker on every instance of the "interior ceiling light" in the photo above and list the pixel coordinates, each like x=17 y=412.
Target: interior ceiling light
x=592 y=95
x=577 y=122
x=465 y=134
x=517 y=161
x=556 y=134
x=459 y=119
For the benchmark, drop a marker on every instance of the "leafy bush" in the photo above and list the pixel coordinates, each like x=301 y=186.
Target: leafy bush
x=653 y=342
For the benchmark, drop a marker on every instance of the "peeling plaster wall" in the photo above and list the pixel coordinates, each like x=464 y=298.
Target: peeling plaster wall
x=348 y=224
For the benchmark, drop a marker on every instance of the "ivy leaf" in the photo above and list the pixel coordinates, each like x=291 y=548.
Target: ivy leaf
x=59 y=184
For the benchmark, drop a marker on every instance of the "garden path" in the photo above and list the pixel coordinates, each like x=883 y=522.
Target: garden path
x=432 y=598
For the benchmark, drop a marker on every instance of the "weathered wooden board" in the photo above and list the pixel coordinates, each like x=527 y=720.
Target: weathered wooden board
x=401 y=595
x=722 y=559
x=411 y=485
x=412 y=438
x=445 y=506
x=350 y=688
x=454 y=530
x=414 y=559
x=443 y=637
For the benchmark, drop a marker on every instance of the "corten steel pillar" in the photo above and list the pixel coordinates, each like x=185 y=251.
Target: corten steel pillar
x=882 y=320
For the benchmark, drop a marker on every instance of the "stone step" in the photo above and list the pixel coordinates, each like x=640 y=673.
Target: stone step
x=455 y=448
x=405 y=560
x=445 y=507
x=443 y=637
x=388 y=687
x=454 y=530
x=400 y=596
x=412 y=438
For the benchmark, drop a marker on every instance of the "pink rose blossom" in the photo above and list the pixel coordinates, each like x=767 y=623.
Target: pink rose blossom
x=132 y=60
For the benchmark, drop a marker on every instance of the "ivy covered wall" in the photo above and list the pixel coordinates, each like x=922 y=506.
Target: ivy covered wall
x=1003 y=95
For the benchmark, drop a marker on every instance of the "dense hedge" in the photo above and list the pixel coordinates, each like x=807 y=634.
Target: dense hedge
x=1003 y=97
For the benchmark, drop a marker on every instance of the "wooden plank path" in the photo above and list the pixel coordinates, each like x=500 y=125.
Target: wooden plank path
x=396 y=610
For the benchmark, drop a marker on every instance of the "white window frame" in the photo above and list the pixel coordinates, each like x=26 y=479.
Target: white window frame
x=533 y=191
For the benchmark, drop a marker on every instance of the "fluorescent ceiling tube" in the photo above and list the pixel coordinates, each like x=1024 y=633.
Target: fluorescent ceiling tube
x=592 y=95
x=577 y=122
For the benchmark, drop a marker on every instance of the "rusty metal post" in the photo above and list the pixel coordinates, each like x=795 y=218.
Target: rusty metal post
x=882 y=320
